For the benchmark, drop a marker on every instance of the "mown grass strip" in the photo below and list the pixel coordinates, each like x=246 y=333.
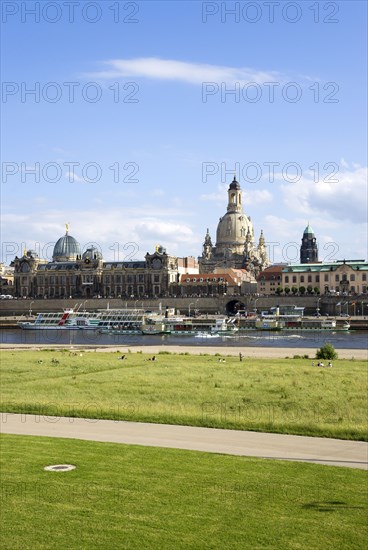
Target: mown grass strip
x=122 y=496
x=272 y=395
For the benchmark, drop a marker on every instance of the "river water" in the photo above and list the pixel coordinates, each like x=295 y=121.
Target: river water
x=298 y=339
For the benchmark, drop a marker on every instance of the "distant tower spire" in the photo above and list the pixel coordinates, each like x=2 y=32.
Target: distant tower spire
x=309 y=248
x=261 y=239
x=207 y=246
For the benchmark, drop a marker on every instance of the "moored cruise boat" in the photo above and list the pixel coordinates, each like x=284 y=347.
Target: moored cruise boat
x=193 y=326
x=269 y=322
x=70 y=319
x=121 y=321
x=155 y=328
x=291 y=323
x=308 y=323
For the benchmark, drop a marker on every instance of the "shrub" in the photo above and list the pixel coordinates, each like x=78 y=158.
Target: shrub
x=326 y=352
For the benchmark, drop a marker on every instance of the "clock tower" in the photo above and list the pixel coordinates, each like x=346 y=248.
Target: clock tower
x=309 y=248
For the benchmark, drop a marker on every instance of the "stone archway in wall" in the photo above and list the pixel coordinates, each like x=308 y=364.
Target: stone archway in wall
x=234 y=306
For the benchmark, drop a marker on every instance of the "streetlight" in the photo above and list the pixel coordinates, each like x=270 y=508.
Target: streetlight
x=255 y=305
x=30 y=308
x=84 y=305
x=317 y=308
x=366 y=305
x=191 y=304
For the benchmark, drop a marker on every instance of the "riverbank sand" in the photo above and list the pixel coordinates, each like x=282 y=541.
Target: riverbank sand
x=262 y=352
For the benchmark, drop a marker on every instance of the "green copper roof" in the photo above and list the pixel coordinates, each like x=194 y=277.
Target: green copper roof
x=308 y=230
x=356 y=265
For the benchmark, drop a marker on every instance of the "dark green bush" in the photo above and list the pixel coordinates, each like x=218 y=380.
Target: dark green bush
x=326 y=352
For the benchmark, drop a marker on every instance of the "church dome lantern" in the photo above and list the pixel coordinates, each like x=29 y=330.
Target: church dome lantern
x=234 y=184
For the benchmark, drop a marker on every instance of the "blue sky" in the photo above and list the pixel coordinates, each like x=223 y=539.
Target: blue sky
x=145 y=149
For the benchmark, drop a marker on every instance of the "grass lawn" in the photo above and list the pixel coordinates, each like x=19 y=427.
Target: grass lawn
x=271 y=395
x=122 y=496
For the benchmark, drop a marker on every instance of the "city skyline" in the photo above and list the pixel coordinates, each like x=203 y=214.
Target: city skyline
x=131 y=132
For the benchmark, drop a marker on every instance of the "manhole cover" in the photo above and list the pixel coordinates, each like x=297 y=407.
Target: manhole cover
x=59 y=468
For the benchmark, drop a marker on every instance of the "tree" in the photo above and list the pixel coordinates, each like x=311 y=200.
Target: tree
x=302 y=289
x=279 y=290
x=294 y=290
x=316 y=290
x=309 y=289
x=326 y=352
x=287 y=290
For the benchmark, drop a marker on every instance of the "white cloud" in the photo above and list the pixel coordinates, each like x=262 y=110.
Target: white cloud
x=73 y=177
x=116 y=235
x=164 y=230
x=192 y=73
x=13 y=218
x=258 y=196
x=344 y=199
x=218 y=196
x=157 y=192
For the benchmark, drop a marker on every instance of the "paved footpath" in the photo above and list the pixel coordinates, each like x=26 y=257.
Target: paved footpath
x=332 y=452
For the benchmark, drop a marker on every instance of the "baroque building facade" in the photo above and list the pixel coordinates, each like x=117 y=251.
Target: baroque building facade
x=235 y=246
x=235 y=265
x=72 y=274
x=341 y=277
x=310 y=276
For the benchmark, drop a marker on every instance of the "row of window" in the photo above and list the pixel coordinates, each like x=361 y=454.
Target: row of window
x=353 y=288
x=52 y=280
x=326 y=278
x=207 y=280
x=116 y=290
x=140 y=278
x=88 y=279
x=302 y=279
